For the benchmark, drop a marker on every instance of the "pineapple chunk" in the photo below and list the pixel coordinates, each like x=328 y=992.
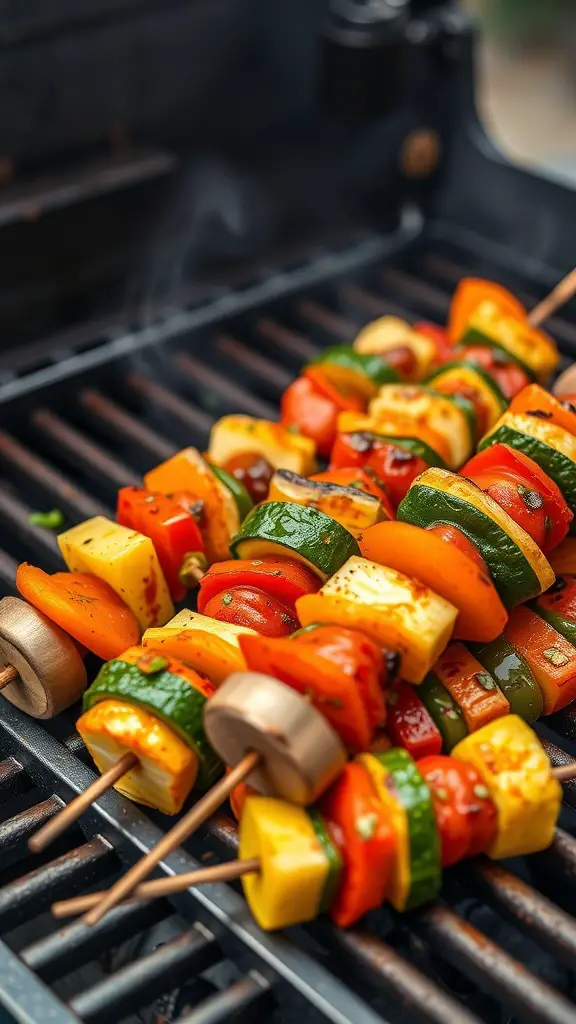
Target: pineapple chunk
x=396 y=611
x=236 y=435
x=124 y=559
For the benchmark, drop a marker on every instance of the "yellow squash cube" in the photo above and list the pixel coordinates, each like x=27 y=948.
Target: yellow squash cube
x=124 y=559
x=518 y=775
x=293 y=866
x=393 y=609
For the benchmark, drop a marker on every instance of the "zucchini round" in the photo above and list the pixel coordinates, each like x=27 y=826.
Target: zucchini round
x=172 y=699
x=551 y=447
x=333 y=856
x=424 y=852
x=443 y=709
x=294 y=531
x=517 y=566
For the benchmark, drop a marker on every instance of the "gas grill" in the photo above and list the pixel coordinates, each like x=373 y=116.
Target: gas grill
x=99 y=381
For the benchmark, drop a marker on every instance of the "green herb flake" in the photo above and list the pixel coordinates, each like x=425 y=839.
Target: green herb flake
x=366 y=826
x=481 y=792
x=555 y=657
x=392 y=698
x=293 y=428
x=227 y=599
x=441 y=793
x=52 y=520
x=484 y=679
x=150 y=665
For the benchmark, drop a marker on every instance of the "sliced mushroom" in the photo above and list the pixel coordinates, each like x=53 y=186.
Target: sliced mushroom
x=300 y=752
x=50 y=673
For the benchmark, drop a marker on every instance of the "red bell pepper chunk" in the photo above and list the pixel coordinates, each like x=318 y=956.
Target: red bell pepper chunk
x=360 y=827
x=169 y=522
x=284 y=579
x=312 y=405
x=410 y=725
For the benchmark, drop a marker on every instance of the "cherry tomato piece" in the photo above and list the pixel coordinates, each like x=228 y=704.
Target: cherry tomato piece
x=253 y=471
x=246 y=606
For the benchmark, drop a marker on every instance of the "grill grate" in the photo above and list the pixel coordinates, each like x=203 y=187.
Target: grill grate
x=71 y=434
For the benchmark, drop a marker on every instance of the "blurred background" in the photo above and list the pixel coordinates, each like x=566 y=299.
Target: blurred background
x=527 y=67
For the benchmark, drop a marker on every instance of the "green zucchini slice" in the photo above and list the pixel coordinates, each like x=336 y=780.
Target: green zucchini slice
x=282 y=528
x=170 y=698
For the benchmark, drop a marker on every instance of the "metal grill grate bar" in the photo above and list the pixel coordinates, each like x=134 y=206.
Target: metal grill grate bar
x=23 y=899
x=245 y=1000
x=486 y=963
x=79 y=450
x=374 y=305
x=145 y=979
x=295 y=345
x=273 y=375
x=16 y=829
x=555 y=929
x=118 y=421
x=170 y=401
x=421 y=998
x=24 y=461
x=76 y=944
x=17 y=514
x=206 y=377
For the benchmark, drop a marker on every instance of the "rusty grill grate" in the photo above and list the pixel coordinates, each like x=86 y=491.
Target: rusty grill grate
x=91 y=411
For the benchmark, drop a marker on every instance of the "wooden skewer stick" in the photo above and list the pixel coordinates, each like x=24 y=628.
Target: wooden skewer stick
x=191 y=821
x=8 y=675
x=565 y=772
x=559 y=295
x=163 y=886
x=74 y=810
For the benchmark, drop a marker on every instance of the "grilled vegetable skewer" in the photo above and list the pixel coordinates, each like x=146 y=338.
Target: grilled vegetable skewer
x=142 y=723
x=271 y=736
x=385 y=829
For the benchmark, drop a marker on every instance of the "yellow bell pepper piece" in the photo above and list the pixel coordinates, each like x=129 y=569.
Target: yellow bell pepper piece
x=239 y=435
x=398 y=613
x=124 y=559
x=167 y=766
x=518 y=775
x=293 y=866
x=399 y=889
x=209 y=646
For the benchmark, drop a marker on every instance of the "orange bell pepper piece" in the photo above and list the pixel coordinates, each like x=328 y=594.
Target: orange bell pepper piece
x=82 y=605
x=426 y=557
x=551 y=657
x=470 y=686
x=535 y=401
x=470 y=292
x=335 y=696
